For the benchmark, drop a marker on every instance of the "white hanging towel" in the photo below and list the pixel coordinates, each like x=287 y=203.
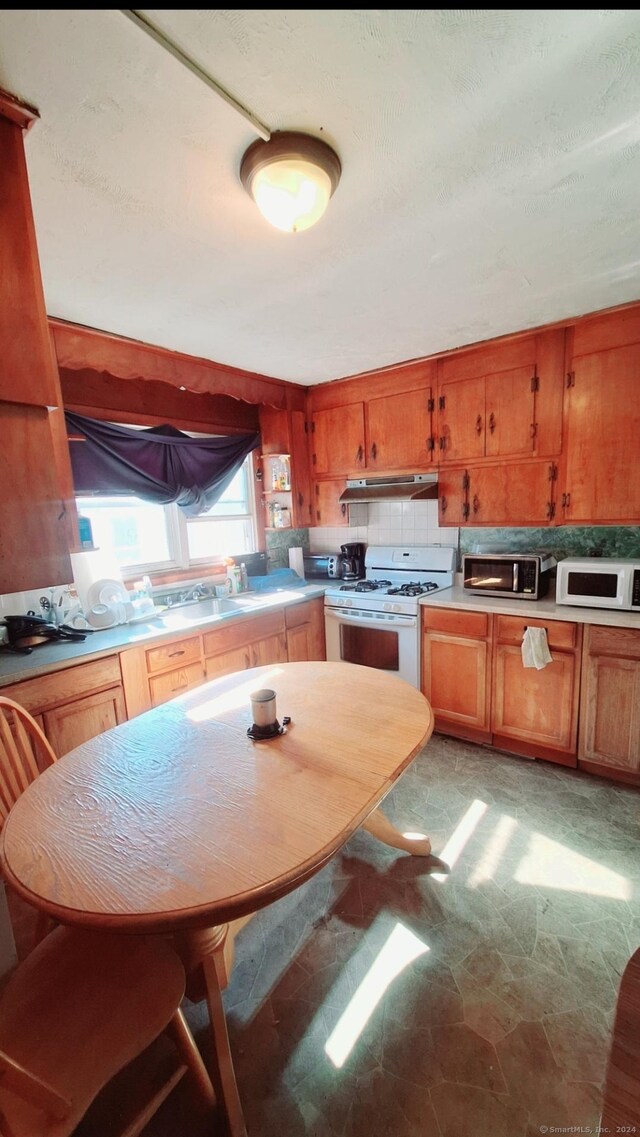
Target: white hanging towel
x=535 y=649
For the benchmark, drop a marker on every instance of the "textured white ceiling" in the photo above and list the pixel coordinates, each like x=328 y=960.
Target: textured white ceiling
x=491 y=169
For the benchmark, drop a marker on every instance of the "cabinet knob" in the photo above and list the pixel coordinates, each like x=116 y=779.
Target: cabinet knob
x=492 y=422
x=443 y=503
x=359 y=454
x=374 y=451
x=479 y=424
x=476 y=503
x=344 y=509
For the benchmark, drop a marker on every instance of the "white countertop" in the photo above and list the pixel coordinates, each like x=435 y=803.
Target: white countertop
x=57 y=655
x=547 y=609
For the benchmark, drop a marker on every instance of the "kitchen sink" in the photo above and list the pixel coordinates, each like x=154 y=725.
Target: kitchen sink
x=193 y=610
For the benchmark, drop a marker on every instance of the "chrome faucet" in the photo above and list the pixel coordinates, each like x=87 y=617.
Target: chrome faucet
x=198 y=592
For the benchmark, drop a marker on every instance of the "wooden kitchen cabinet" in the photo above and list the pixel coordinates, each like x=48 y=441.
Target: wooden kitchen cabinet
x=610 y=703
x=456 y=670
x=399 y=431
x=305 y=631
x=74 y=704
x=517 y=493
x=245 y=644
x=536 y=712
x=338 y=440
x=602 y=422
x=503 y=400
x=328 y=508
x=283 y=432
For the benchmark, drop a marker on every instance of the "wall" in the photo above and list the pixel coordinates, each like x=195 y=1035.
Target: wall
x=388 y=523
x=279 y=541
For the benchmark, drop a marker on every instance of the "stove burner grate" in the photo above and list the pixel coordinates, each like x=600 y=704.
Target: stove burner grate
x=412 y=588
x=364 y=586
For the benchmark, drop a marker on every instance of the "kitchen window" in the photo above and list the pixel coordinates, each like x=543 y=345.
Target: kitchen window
x=147 y=537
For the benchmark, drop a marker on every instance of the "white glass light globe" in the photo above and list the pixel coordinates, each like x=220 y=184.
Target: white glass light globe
x=291 y=194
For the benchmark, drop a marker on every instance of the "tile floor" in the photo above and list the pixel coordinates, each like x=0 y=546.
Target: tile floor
x=387 y=999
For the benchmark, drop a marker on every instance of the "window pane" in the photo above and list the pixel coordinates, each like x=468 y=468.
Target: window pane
x=219 y=538
x=234 y=500
x=135 y=531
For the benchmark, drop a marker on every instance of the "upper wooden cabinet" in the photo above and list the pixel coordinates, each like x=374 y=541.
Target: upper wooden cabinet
x=398 y=431
x=502 y=400
x=284 y=432
x=602 y=422
x=28 y=370
x=381 y=423
x=517 y=493
x=337 y=440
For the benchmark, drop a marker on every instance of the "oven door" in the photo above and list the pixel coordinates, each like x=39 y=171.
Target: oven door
x=389 y=642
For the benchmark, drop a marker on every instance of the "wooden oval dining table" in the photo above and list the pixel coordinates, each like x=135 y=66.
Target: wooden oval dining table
x=176 y=822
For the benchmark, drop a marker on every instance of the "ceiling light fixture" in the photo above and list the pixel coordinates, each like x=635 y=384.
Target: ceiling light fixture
x=291 y=178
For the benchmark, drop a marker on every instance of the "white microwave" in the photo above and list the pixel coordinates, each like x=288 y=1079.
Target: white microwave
x=599 y=582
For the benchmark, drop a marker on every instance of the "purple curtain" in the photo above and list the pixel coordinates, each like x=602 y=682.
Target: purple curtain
x=160 y=464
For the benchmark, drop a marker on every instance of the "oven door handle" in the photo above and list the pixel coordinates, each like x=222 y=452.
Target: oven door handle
x=389 y=620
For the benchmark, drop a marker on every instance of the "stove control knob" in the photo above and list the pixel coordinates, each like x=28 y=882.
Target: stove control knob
x=392 y=608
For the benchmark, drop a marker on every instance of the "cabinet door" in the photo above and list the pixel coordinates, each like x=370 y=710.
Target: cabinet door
x=510 y=414
x=328 y=509
x=610 y=714
x=301 y=501
x=535 y=706
x=299 y=643
x=461 y=420
x=399 y=432
x=273 y=649
x=602 y=417
x=305 y=631
x=456 y=678
x=452 y=497
x=517 y=493
x=33 y=541
x=239 y=659
x=68 y=726
x=337 y=440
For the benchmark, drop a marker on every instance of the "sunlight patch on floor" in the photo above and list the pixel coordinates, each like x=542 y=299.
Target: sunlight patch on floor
x=549 y=864
x=400 y=949
x=461 y=834
x=493 y=851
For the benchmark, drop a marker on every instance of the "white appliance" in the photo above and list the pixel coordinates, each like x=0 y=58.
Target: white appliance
x=375 y=621
x=599 y=582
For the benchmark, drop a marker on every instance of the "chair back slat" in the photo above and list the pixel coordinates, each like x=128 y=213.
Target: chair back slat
x=21 y=743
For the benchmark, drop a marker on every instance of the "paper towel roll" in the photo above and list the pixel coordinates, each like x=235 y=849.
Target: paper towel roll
x=296 y=561
x=90 y=566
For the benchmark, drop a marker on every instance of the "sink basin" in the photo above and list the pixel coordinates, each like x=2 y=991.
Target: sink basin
x=194 y=610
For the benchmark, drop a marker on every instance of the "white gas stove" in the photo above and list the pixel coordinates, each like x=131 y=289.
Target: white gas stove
x=374 y=621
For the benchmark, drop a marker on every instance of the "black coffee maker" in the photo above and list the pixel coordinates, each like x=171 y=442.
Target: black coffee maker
x=352 y=561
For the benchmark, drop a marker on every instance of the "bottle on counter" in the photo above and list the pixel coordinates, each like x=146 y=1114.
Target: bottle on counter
x=244 y=578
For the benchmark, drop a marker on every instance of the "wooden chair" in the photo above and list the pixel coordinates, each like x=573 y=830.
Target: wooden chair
x=73 y=1014
x=24 y=753
x=621 y=1102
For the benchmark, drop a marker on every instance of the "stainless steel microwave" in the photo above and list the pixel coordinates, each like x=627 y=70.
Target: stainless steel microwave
x=517 y=575
x=599 y=582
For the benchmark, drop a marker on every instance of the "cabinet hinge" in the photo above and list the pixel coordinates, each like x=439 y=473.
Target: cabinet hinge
x=313 y=459
x=553 y=472
x=551 y=510
x=431 y=404
x=465 y=510
x=313 y=427
x=535 y=383
x=571 y=378
x=466 y=480
x=431 y=443
x=534 y=429
x=442 y=402
x=306 y=427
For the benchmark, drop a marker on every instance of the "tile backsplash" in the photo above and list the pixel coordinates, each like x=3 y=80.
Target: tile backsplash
x=279 y=541
x=388 y=523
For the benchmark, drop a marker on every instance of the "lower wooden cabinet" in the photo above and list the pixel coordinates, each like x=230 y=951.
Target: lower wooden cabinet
x=474 y=678
x=305 y=631
x=74 y=704
x=456 y=670
x=610 y=704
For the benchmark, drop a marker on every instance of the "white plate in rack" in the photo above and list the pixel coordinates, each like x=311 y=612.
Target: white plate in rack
x=110 y=592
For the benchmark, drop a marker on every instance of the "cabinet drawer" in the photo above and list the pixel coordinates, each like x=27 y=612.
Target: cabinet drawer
x=37 y=695
x=622 y=642
x=173 y=683
x=243 y=632
x=457 y=622
x=171 y=655
x=511 y=629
